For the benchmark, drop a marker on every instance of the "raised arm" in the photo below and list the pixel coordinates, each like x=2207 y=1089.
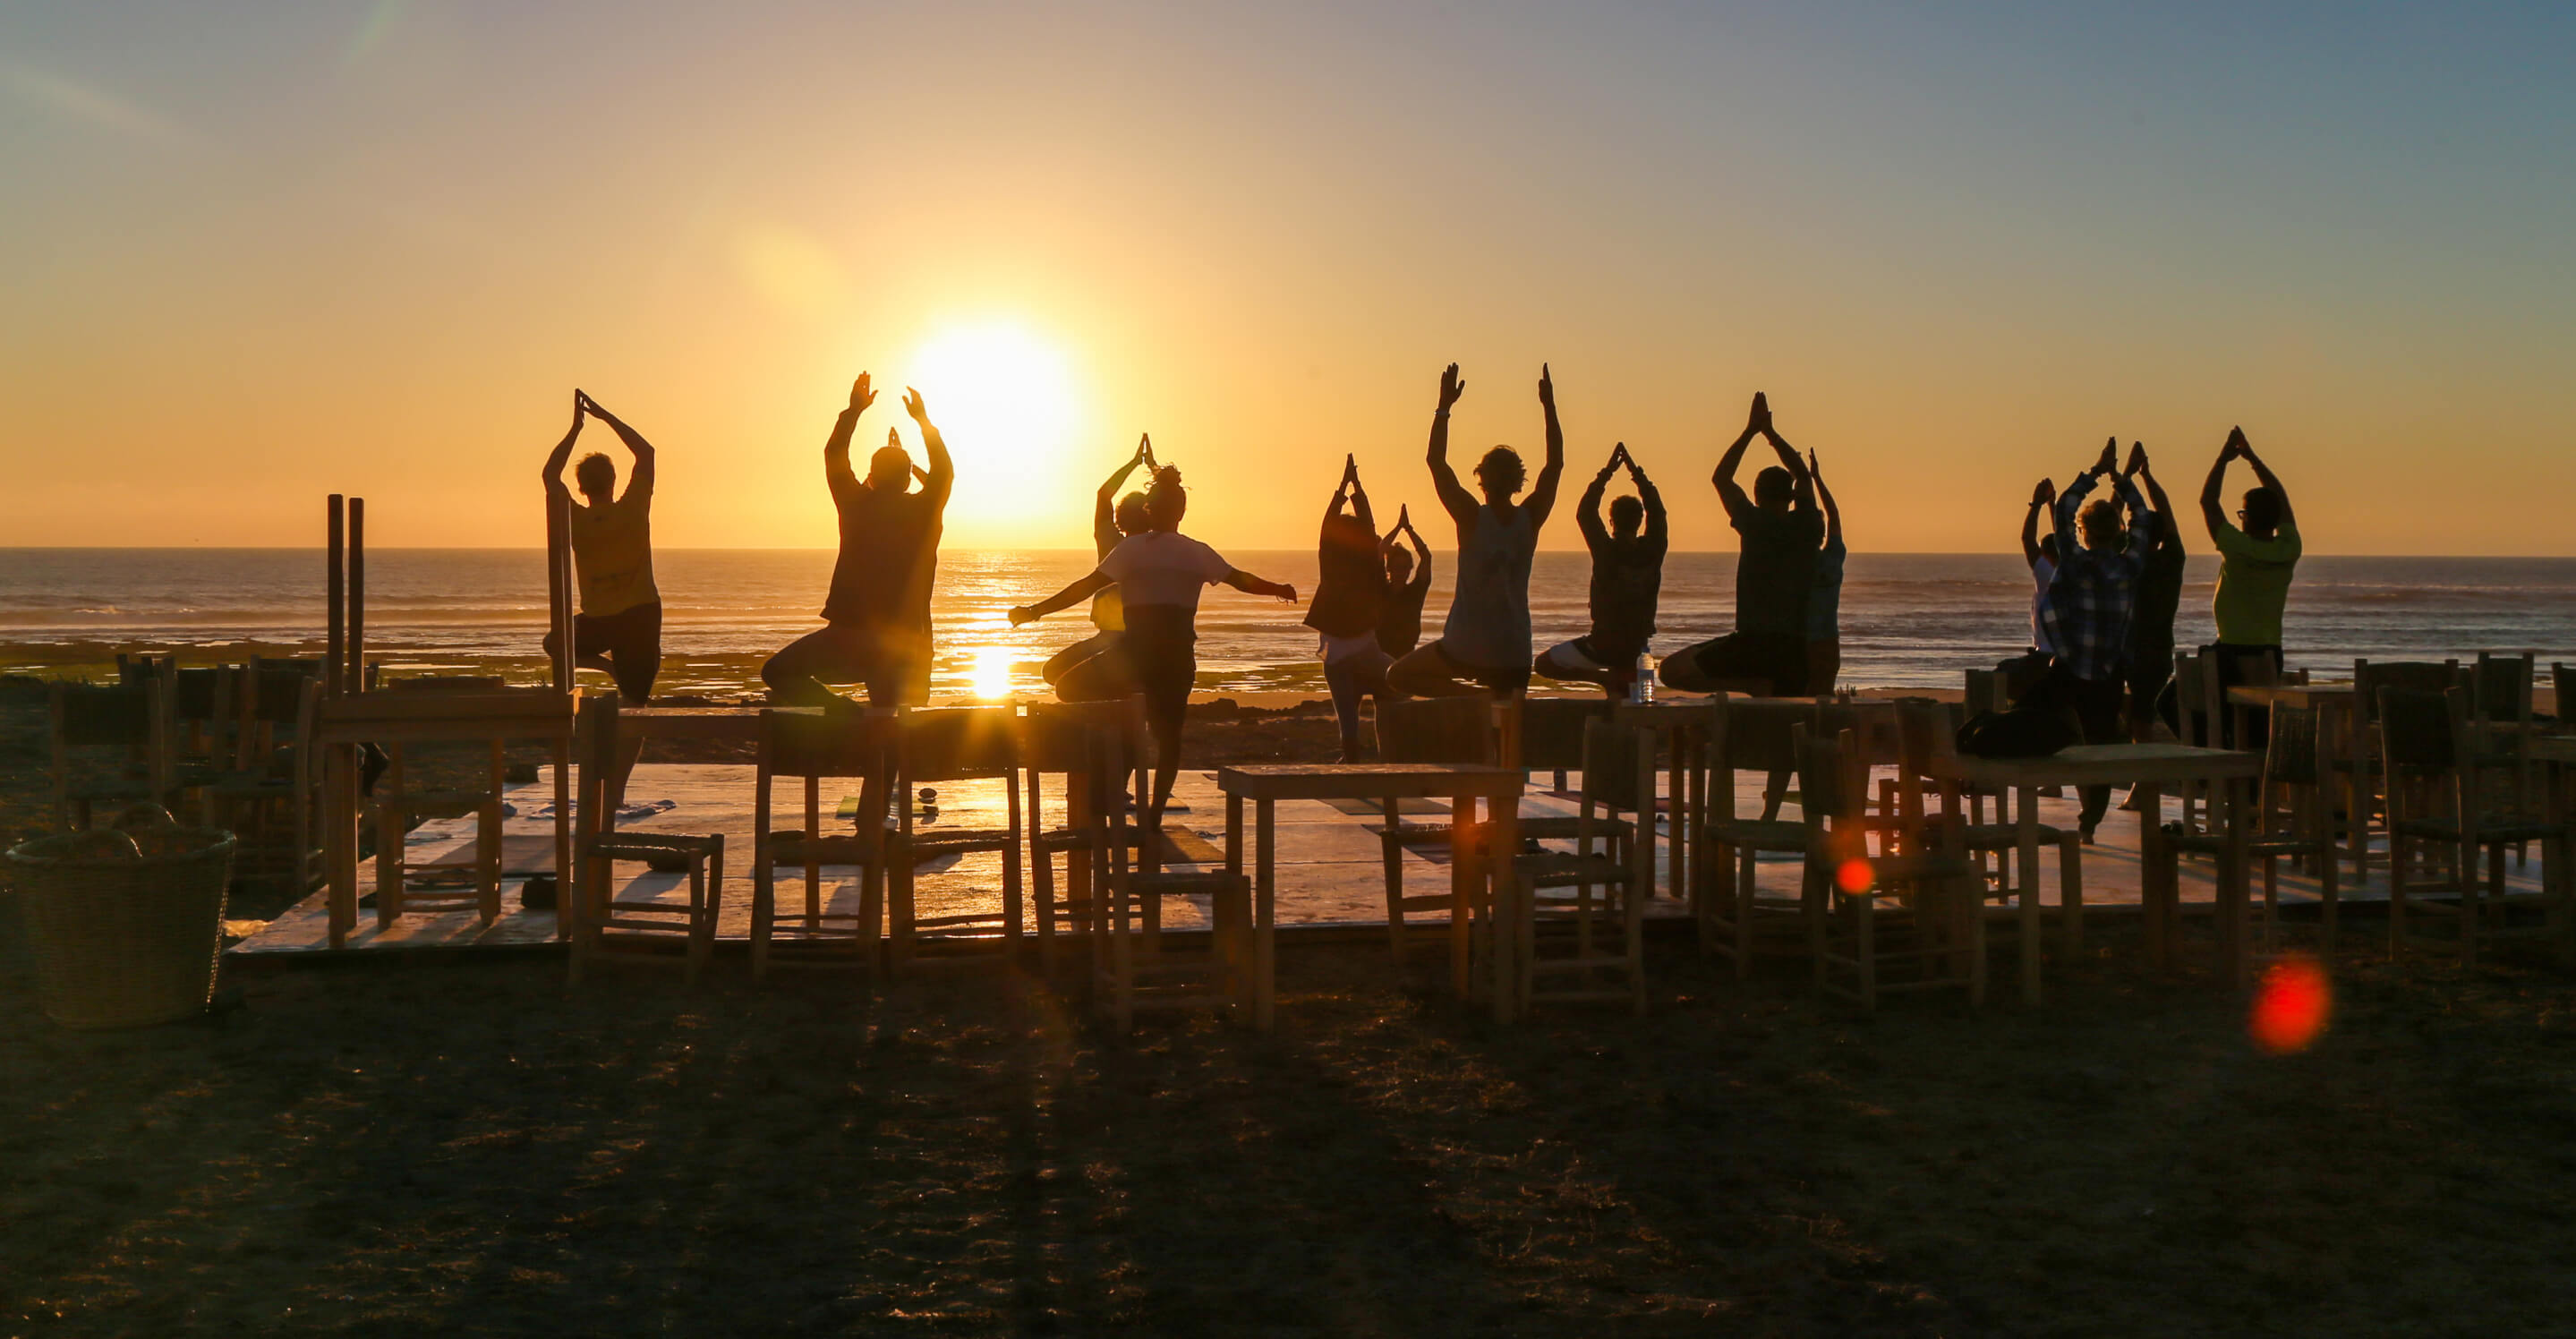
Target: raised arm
x=2040 y=497
x=2270 y=480
x=562 y=454
x=2142 y=524
x=1647 y=494
x=1453 y=495
x=1104 y=504
x=1728 y=490
x=2213 y=512
x=836 y=448
x=1421 y=582
x=1542 y=494
x=1833 y=514
x=639 y=479
x=1803 y=498
x=943 y=473
x=1252 y=585
x=1587 y=509
x=1082 y=589
x=2168 y=531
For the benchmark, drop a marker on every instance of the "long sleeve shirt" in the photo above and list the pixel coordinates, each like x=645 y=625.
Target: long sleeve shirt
x=2094 y=593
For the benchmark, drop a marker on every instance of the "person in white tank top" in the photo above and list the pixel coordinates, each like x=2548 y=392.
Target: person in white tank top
x=1484 y=646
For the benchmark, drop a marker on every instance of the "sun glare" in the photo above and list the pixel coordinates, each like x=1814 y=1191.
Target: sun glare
x=1005 y=400
x=990 y=678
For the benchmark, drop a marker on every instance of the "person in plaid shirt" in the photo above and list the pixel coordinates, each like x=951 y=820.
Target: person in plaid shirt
x=2089 y=604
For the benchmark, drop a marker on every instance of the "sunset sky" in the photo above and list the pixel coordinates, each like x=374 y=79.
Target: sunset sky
x=253 y=254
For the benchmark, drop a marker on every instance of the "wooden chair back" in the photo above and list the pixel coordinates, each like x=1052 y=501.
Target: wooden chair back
x=1554 y=731
x=2500 y=688
x=2562 y=690
x=1439 y=730
x=2415 y=731
x=1831 y=785
x=128 y=723
x=2295 y=755
x=2414 y=676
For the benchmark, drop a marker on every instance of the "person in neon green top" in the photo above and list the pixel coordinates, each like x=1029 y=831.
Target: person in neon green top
x=2257 y=561
x=619 y=626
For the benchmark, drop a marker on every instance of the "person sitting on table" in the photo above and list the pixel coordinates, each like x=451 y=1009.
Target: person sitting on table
x=1160 y=574
x=1825 y=598
x=1484 y=645
x=1111 y=522
x=1627 y=577
x=878 y=615
x=2089 y=606
x=1773 y=576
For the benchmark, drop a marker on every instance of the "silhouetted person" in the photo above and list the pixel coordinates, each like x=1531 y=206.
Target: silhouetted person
x=1774 y=573
x=1111 y=522
x=1484 y=645
x=1350 y=603
x=2089 y=606
x=877 y=618
x=2151 y=624
x=2038 y=551
x=1160 y=574
x=618 y=627
x=1825 y=596
x=1627 y=577
x=1408 y=584
x=2256 y=562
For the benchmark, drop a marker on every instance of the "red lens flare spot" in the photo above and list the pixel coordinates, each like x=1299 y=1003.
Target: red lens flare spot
x=2292 y=1006
x=1854 y=876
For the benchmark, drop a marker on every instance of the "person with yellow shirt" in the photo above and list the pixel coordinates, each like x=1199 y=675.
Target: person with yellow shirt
x=2255 y=563
x=619 y=627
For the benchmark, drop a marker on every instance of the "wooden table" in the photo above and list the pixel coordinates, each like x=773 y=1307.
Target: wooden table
x=2148 y=768
x=2338 y=708
x=1462 y=784
x=508 y=715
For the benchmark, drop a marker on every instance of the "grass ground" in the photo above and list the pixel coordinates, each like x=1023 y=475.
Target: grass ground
x=380 y=1146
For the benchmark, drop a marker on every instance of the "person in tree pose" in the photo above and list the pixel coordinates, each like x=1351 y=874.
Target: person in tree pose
x=1350 y=603
x=1627 y=575
x=1484 y=645
x=1774 y=574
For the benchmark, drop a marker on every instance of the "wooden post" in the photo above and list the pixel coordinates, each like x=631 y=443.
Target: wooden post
x=559 y=587
x=356 y=681
x=335 y=596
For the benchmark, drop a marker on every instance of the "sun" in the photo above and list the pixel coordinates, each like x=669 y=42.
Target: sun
x=1005 y=399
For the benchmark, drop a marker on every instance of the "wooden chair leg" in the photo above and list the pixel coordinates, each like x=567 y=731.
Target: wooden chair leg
x=2070 y=888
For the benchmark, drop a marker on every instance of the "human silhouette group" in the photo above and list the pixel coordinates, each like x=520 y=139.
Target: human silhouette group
x=2107 y=579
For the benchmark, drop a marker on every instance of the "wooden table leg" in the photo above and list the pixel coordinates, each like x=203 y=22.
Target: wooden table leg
x=2026 y=835
x=1265 y=894
x=1462 y=896
x=339 y=844
x=2233 y=870
x=569 y=885
x=1502 y=843
x=1233 y=867
x=2155 y=879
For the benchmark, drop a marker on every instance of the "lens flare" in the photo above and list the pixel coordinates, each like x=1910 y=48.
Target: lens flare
x=1854 y=876
x=990 y=678
x=2291 y=1007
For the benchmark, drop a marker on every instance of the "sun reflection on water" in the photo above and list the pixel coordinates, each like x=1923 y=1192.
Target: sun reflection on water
x=990 y=678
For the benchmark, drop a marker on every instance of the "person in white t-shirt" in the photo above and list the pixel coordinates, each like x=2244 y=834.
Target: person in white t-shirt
x=1159 y=574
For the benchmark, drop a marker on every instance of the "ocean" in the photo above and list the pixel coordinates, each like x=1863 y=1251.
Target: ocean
x=1908 y=620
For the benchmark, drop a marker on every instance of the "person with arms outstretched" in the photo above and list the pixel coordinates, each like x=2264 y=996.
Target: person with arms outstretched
x=1408 y=584
x=1160 y=573
x=1350 y=602
x=1774 y=574
x=1825 y=596
x=618 y=627
x=1484 y=645
x=1113 y=518
x=877 y=618
x=1627 y=577
x=2255 y=562
x=2089 y=606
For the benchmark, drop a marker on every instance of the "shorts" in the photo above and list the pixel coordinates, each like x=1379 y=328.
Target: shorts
x=630 y=640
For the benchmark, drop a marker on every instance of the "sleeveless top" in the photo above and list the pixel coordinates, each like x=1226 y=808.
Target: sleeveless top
x=612 y=554
x=1489 y=620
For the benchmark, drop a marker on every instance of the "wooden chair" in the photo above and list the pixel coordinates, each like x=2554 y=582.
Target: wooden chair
x=810 y=747
x=1735 y=919
x=2436 y=798
x=1054 y=739
x=2297 y=763
x=1682 y=730
x=110 y=745
x=1919 y=912
x=2368 y=677
x=2500 y=706
x=1931 y=757
x=272 y=794
x=1590 y=906
x=635 y=925
x=936 y=746
x=202 y=701
x=1135 y=964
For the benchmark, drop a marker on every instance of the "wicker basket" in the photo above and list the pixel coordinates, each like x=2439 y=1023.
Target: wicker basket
x=125 y=924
